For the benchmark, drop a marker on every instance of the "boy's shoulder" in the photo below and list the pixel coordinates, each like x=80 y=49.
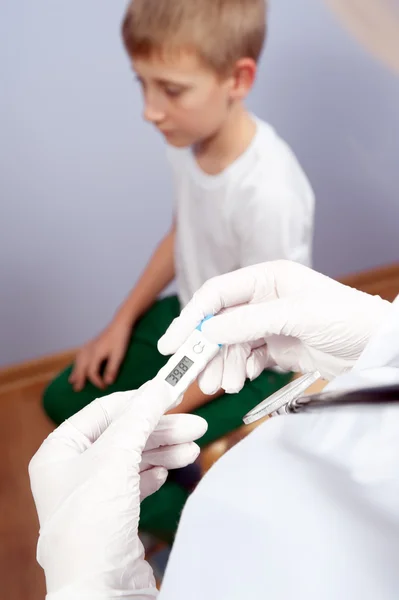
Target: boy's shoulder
x=268 y=168
x=273 y=166
x=271 y=148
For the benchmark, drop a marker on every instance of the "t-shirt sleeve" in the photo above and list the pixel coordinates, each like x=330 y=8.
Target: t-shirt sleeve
x=274 y=226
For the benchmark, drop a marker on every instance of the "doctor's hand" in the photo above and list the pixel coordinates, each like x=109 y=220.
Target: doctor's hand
x=277 y=314
x=88 y=479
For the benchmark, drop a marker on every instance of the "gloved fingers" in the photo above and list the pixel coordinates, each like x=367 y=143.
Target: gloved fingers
x=227 y=290
x=210 y=380
x=170 y=457
x=264 y=283
x=258 y=361
x=290 y=354
x=251 y=322
x=76 y=435
x=94 y=419
x=176 y=429
x=99 y=422
x=130 y=433
x=151 y=481
x=234 y=372
x=49 y=483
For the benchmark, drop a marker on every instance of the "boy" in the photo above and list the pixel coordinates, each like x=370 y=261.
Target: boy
x=241 y=198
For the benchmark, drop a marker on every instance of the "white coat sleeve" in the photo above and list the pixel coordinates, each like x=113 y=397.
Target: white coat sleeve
x=305 y=507
x=379 y=363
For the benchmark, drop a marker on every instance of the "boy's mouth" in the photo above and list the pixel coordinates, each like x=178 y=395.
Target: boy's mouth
x=167 y=134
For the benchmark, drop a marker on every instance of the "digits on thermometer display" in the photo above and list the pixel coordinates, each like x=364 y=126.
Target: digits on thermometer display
x=179 y=371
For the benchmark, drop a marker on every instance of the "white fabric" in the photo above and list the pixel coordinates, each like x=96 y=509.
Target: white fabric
x=306 y=507
x=88 y=478
x=258 y=209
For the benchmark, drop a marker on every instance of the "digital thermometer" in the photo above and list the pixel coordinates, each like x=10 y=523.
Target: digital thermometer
x=183 y=368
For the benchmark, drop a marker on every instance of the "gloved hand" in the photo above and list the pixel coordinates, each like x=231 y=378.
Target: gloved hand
x=88 y=478
x=285 y=315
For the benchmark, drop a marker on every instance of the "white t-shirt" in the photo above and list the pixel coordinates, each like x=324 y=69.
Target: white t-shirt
x=260 y=208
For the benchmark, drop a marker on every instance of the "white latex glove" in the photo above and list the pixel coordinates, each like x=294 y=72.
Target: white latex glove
x=285 y=315
x=88 y=478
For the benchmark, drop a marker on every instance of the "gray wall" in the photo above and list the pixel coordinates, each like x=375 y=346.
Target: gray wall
x=84 y=187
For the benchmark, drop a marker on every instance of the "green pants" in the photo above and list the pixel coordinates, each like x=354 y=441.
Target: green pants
x=160 y=512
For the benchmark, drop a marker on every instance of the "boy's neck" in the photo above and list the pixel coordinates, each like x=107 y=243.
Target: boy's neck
x=215 y=154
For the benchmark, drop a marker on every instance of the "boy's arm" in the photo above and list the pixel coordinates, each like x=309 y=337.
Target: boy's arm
x=159 y=272
x=110 y=345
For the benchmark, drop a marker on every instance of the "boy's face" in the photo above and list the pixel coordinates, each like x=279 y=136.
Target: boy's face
x=185 y=100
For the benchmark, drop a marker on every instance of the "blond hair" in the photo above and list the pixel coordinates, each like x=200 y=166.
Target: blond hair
x=219 y=31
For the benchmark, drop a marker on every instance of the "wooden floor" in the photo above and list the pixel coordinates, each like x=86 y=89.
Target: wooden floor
x=23 y=427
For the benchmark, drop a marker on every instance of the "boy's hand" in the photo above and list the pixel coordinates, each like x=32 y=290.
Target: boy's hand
x=110 y=347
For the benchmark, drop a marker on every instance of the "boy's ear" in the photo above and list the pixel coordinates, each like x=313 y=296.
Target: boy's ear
x=243 y=78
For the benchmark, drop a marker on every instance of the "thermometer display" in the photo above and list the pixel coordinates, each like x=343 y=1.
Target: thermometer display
x=179 y=371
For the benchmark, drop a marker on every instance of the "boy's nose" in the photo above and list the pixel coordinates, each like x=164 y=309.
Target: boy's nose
x=153 y=114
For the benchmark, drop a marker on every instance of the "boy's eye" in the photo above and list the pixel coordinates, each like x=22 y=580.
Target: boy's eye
x=172 y=91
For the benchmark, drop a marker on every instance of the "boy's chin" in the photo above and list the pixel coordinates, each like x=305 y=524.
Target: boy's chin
x=179 y=141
